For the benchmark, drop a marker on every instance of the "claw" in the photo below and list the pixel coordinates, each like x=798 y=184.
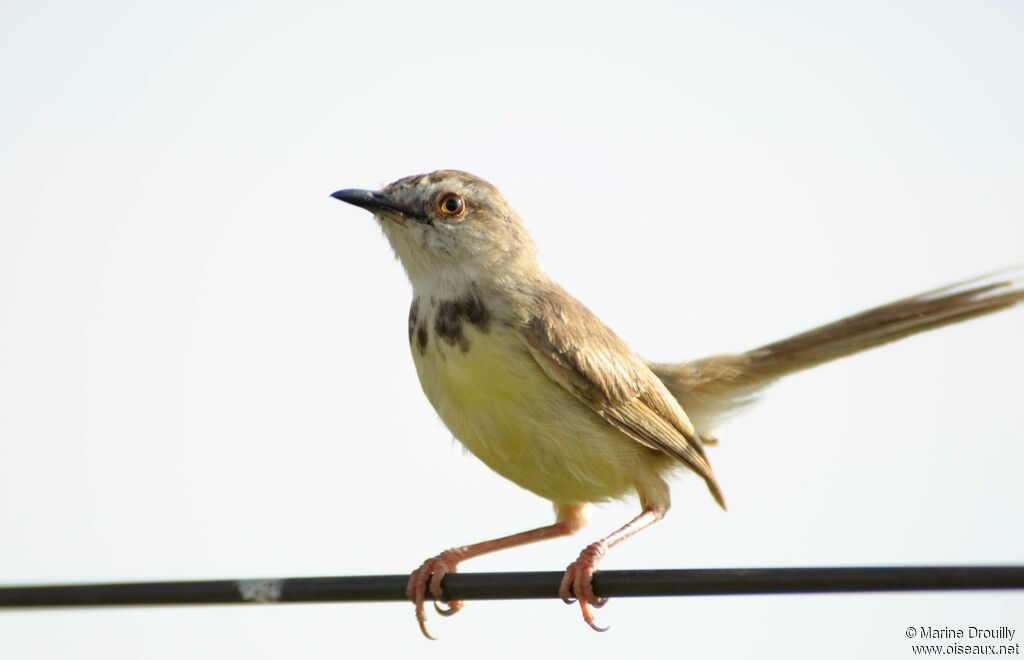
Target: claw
x=429 y=575
x=563 y=590
x=421 y=618
x=416 y=592
x=588 y=617
x=579 y=575
x=453 y=608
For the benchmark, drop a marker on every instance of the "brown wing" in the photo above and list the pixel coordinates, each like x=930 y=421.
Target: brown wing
x=582 y=355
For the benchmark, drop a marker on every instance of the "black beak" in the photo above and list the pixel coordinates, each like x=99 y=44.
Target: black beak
x=373 y=200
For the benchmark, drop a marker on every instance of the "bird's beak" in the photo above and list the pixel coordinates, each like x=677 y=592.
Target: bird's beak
x=371 y=200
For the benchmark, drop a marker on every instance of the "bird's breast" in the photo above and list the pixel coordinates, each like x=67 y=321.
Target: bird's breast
x=496 y=400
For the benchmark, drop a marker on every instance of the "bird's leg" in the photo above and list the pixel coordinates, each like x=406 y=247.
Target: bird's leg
x=570 y=518
x=579 y=574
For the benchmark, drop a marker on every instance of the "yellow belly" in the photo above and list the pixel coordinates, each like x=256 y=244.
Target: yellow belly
x=500 y=405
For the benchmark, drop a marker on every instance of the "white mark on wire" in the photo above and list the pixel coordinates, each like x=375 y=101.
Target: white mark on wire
x=260 y=591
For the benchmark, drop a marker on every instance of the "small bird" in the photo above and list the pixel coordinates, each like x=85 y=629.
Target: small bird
x=538 y=388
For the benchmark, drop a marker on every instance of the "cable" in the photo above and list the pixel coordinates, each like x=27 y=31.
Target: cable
x=498 y=586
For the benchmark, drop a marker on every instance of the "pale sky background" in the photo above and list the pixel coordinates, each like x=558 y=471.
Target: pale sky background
x=203 y=361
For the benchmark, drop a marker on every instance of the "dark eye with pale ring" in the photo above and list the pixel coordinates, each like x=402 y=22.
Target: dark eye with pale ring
x=450 y=205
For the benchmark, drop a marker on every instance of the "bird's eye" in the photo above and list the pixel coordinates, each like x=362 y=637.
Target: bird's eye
x=450 y=205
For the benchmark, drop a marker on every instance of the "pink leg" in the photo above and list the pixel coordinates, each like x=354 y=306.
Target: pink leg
x=571 y=517
x=580 y=573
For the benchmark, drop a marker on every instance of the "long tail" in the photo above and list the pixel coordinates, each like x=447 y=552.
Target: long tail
x=713 y=387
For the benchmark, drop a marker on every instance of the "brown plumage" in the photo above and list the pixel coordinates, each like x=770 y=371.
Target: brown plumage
x=585 y=357
x=713 y=387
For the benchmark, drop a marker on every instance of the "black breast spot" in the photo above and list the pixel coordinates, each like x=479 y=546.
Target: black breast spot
x=451 y=314
x=414 y=312
x=474 y=311
x=421 y=338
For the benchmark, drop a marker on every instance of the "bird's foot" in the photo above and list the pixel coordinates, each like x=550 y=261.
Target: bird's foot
x=577 y=582
x=429 y=576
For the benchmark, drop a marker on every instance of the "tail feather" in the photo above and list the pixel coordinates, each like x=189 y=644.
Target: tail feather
x=713 y=387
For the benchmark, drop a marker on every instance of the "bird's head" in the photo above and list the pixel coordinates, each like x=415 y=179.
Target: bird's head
x=449 y=227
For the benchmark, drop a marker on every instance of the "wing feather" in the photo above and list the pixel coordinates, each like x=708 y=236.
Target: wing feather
x=586 y=358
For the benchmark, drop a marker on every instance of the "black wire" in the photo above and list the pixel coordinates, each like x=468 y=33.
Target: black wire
x=498 y=586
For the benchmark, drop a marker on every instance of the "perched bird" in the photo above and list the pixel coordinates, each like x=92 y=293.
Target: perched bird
x=540 y=390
